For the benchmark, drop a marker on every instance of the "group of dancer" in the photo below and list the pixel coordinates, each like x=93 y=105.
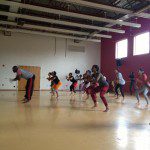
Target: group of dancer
x=91 y=83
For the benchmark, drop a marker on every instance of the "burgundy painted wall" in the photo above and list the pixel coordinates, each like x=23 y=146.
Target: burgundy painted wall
x=131 y=63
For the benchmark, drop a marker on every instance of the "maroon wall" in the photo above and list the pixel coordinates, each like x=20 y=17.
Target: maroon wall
x=131 y=63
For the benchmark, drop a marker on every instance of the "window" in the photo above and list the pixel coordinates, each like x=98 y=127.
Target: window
x=121 y=48
x=141 y=44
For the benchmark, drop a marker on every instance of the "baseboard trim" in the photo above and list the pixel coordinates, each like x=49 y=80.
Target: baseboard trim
x=34 y=90
x=8 y=90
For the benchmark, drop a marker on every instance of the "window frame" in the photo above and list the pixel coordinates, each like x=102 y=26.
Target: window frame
x=134 y=43
x=116 y=49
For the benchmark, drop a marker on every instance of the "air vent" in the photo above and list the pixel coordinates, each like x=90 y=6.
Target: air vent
x=74 y=48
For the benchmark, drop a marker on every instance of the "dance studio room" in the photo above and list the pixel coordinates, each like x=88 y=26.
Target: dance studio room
x=74 y=74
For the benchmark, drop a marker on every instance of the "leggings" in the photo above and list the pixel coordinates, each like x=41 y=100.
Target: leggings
x=102 y=91
x=143 y=90
x=119 y=86
x=90 y=88
x=132 y=86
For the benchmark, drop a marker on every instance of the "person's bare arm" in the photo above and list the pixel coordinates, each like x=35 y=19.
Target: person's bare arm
x=18 y=77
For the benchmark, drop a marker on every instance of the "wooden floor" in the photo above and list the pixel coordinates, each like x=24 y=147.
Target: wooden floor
x=47 y=124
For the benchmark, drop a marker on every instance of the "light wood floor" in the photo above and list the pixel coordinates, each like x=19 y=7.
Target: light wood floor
x=47 y=124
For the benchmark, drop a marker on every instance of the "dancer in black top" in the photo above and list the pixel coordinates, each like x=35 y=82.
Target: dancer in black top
x=74 y=84
x=56 y=83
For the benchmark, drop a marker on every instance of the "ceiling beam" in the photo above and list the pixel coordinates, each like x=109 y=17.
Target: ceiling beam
x=137 y=13
x=105 y=7
x=67 y=23
x=140 y=13
x=97 y=6
x=48 y=34
x=143 y=15
x=53 y=29
x=70 y=14
x=14 y=9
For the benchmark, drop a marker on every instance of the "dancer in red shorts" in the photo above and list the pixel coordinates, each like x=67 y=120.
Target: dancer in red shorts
x=93 y=80
x=102 y=88
x=99 y=85
x=74 y=84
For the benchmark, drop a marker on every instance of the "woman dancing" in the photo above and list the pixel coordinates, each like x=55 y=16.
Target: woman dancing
x=101 y=88
x=143 y=87
x=120 y=84
x=74 y=84
x=56 y=83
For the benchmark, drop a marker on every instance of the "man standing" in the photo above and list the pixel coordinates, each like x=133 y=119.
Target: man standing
x=30 y=77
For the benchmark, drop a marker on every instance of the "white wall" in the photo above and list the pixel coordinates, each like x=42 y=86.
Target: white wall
x=37 y=50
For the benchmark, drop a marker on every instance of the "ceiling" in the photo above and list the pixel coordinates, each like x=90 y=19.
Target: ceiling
x=73 y=19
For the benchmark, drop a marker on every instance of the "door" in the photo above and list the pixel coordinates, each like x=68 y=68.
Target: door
x=34 y=70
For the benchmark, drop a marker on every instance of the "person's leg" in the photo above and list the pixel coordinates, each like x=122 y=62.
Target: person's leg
x=116 y=90
x=75 y=85
x=145 y=92
x=80 y=87
x=71 y=88
x=93 y=95
x=27 y=84
x=131 y=85
x=122 y=90
x=57 y=87
x=56 y=93
x=32 y=89
x=28 y=90
x=83 y=88
x=53 y=90
x=102 y=96
x=137 y=94
x=88 y=91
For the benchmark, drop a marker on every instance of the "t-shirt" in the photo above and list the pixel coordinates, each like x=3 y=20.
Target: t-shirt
x=86 y=78
x=102 y=81
x=120 y=79
x=144 y=80
x=56 y=80
x=24 y=74
x=95 y=77
x=131 y=76
x=72 y=79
